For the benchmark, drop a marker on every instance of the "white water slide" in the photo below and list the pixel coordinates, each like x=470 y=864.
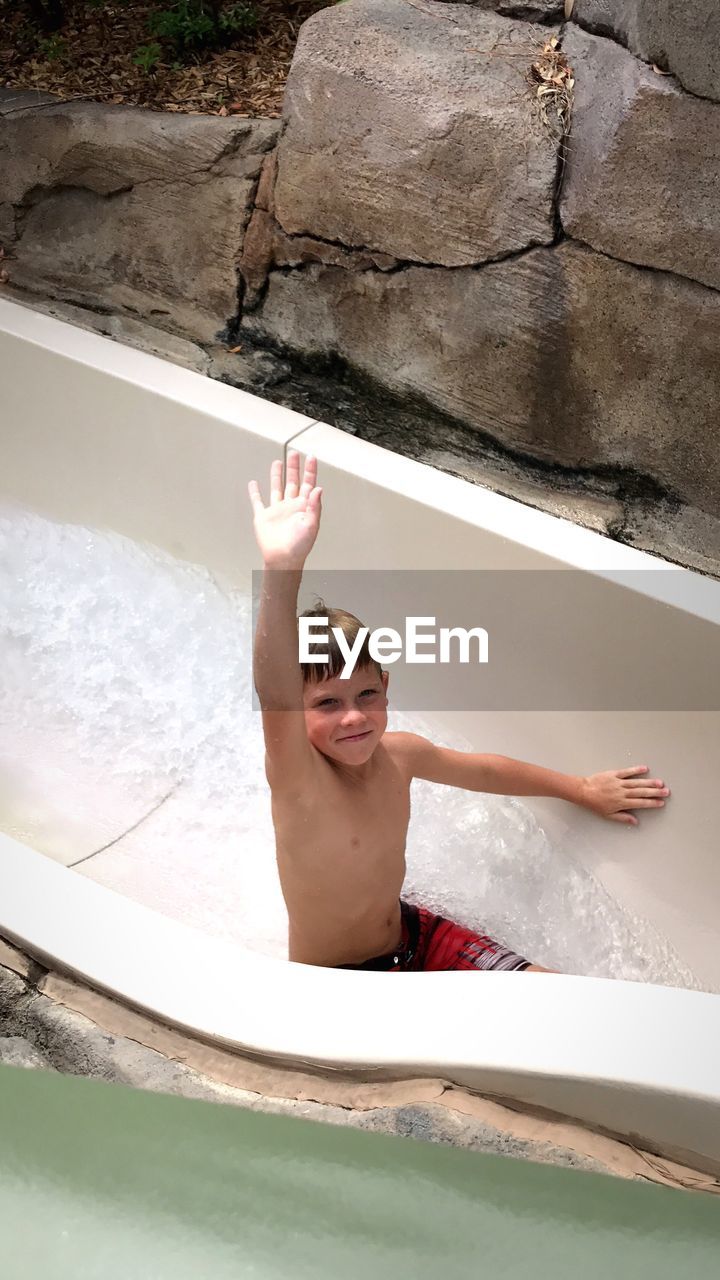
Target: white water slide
x=135 y=843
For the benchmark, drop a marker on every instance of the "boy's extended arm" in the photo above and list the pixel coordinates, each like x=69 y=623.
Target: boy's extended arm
x=610 y=794
x=285 y=530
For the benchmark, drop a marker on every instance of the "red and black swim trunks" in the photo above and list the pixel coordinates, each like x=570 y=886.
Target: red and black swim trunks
x=431 y=942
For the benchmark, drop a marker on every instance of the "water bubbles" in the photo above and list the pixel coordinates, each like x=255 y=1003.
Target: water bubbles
x=125 y=690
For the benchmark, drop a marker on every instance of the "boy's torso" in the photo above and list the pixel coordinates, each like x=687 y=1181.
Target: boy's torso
x=341 y=858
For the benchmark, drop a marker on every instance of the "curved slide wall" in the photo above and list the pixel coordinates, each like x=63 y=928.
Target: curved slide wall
x=100 y=435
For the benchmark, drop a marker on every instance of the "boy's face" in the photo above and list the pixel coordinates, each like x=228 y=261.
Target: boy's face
x=345 y=719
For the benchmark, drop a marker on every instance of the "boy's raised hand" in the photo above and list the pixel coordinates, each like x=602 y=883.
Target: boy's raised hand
x=613 y=793
x=287 y=528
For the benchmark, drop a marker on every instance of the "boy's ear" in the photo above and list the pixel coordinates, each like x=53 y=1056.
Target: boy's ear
x=385 y=676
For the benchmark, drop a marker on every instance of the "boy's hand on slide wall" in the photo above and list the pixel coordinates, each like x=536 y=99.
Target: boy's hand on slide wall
x=287 y=528
x=613 y=793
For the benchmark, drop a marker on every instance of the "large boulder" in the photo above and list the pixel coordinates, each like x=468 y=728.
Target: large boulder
x=682 y=36
x=643 y=166
x=135 y=210
x=410 y=131
x=560 y=354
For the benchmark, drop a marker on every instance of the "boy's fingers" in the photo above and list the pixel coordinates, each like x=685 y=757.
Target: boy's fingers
x=650 y=790
x=632 y=773
x=276 y=471
x=292 y=475
x=255 y=498
x=627 y=818
x=643 y=804
x=310 y=476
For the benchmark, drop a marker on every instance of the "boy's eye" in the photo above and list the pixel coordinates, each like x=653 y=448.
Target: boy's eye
x=365 y=692
x=326 y=702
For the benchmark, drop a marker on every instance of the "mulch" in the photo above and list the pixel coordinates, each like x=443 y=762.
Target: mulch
x=91 y=57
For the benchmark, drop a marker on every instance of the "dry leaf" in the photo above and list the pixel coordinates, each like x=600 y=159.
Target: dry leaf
x=4 y=277
x=223 y=111
x=658 y=71
x=569 y=6
x=234 y=350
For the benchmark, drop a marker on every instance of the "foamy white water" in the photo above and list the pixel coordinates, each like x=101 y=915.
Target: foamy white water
x=126 y=721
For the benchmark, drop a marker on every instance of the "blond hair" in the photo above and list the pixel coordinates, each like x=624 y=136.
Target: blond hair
x=314 y=672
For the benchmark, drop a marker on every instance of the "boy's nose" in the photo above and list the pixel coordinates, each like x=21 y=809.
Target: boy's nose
x=352 y=716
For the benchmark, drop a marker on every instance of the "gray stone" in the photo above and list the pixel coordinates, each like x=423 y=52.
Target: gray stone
x=11 y=957
x=539 y=11
x=266 y=246
x=415 y=136
x=73 y=1044
x=562 y=355
x=556 y=494
x=13 y=101
x=681 y=533
x=682 y=36
x=125 y=329
x=142 y=211
x=254 y=371
x=16 y=1051
x=430 y=1122
x=15 y=993
x=643 y=168
x=531 y=10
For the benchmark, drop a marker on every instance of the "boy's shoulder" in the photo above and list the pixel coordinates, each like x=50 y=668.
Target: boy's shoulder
x=408 y=749
x=402 y=741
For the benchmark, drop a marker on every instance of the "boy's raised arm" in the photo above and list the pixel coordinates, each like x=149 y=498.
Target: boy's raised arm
x=286 y=531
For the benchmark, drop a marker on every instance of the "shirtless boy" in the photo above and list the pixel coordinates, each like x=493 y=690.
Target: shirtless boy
x=341 y=784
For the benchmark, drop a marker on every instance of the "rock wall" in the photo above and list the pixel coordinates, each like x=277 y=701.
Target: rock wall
x=560 y=296
x=428 y=261
x=126 y=209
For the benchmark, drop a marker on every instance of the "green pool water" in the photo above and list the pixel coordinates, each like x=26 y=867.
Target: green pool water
x=106 y=1182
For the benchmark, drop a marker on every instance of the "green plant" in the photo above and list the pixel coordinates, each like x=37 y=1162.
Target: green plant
x=54 y=48
x=186 y=25
x=239 y=17
x=199 y=24
x=147 y=56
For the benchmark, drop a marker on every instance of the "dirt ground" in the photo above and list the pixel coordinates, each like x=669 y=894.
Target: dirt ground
x=92 y=54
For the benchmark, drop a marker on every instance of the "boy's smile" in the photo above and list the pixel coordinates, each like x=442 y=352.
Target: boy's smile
x=345 y=719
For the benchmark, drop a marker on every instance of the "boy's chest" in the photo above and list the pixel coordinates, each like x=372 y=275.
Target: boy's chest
x=346 y=825
x=377 y=813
